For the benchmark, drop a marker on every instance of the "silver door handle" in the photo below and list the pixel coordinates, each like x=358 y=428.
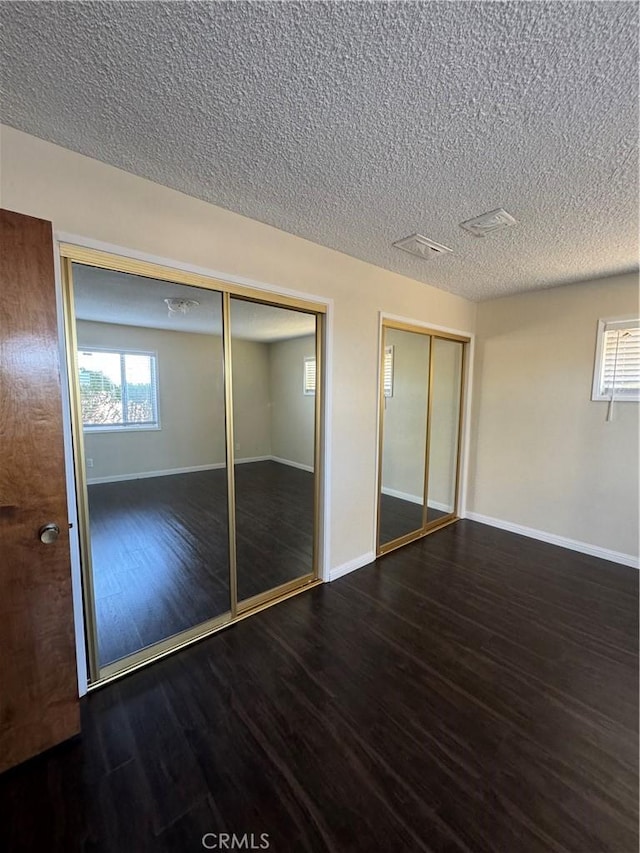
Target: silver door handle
x=49 y=533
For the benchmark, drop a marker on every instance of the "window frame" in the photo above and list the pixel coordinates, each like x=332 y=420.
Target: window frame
x=604 y=325
x=125 y=427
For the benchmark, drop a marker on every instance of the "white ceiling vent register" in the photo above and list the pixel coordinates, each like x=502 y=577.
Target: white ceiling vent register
x=421 y=246
x=495 y=220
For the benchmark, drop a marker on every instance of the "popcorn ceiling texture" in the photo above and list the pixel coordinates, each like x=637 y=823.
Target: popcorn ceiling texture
x=355 y=124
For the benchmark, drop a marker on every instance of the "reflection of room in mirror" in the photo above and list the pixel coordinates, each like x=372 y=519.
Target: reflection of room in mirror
x=274 y=428
x=152 y=393
x=404 y=434
x=445 y=418
x=414 y=417
x=152 y=400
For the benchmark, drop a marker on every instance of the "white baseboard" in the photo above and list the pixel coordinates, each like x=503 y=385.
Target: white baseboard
x=415 y=499
x=291 y=463
x=404 y=496
x=351 y=565
x=554 y=539
x=243 y=460
x=440 y=506
x=143 y=475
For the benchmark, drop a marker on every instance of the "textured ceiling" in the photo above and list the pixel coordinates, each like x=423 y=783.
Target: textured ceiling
x=355 y=124
x=104 y=296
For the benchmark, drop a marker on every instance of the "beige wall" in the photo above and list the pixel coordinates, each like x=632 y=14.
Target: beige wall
x=85 y=197
x=251 y=399
x=543 y=454
x=292 y=411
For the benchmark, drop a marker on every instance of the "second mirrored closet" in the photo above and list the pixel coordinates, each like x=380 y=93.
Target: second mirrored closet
x=422 y=375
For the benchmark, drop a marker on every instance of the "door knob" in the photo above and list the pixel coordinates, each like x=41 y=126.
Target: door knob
x=49 y=533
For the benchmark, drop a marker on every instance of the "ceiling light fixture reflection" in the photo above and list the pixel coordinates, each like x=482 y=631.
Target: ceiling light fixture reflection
x=180 y=306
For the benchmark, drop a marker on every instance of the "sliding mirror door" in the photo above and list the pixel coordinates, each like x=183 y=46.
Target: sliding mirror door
x=446 y=379
x=150 y=432
x=275 y=415
x=421 y=376
x=196 y=424
x=403 y=425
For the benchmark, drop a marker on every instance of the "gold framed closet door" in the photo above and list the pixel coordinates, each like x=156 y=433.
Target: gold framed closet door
x=404 y=403
x=276 y=382
x=218 y=527
x=422 y=374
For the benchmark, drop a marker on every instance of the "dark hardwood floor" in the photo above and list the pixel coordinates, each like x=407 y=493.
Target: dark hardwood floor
x=474 y=691
x=160 y=548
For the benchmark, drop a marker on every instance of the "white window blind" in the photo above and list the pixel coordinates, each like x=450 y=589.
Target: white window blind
x=617 y=369
x=387 y=377
x=309 y=375
x=118 y=390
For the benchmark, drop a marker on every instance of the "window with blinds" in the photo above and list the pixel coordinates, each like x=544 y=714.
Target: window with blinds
x=309 y=381
x=617 y=368
x=118 y=390
x=388 y=372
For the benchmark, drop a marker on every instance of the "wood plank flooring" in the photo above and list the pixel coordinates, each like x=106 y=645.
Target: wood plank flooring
x=474 y=691
x=160 y=548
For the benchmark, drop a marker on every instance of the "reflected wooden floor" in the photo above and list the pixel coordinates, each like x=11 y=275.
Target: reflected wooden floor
x=472 y=692
x=160 y=548
x=399 y=517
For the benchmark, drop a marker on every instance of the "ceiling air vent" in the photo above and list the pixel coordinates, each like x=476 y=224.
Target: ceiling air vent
x=495 y=220
x=421 y=246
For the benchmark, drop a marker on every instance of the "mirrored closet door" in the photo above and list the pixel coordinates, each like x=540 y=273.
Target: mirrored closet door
x=444 y=432
x=196 y=422
x=404 y=402
x=150 y=436
x=274 y=424
x=421 y=387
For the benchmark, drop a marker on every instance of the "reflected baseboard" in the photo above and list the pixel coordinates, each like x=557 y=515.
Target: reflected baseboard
x=168 y=472
x=415 y=499
x=143 y=475
x=291 y=463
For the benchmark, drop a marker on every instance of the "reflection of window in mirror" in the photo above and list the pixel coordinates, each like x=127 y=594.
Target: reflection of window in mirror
x=310 y=375
x=388 y=371
x=118 y=389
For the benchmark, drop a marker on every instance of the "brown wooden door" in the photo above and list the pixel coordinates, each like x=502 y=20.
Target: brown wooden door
x=38 y=688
